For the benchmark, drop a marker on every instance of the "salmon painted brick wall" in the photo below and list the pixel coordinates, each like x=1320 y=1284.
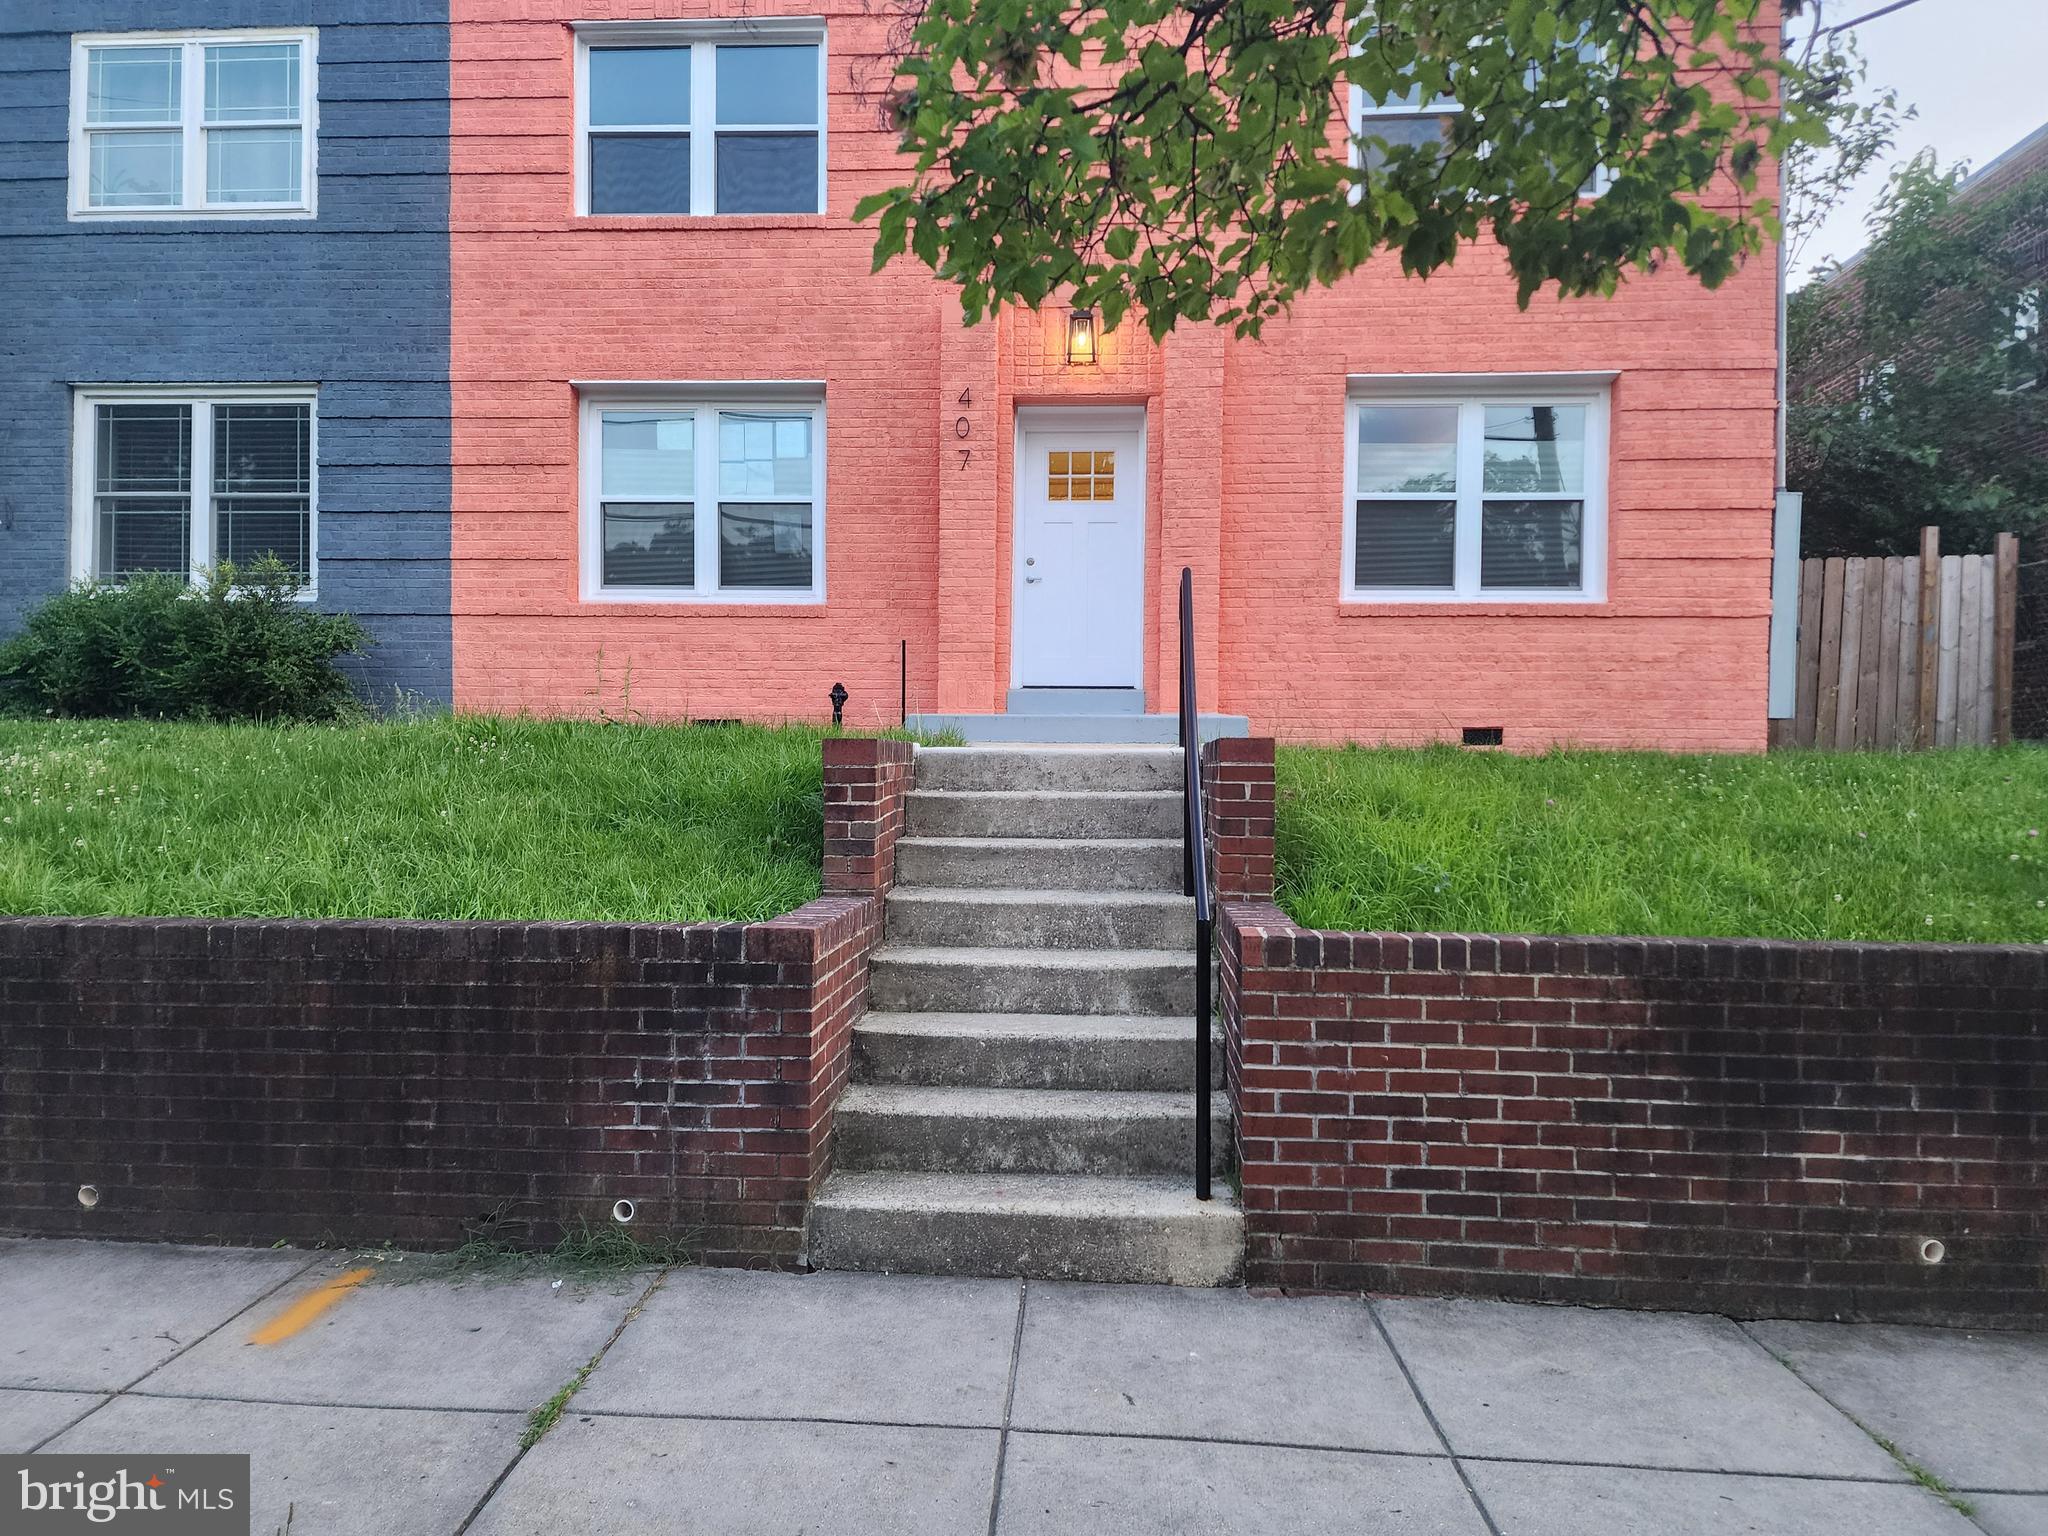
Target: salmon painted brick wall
x=543 y=298
x=1245 y=444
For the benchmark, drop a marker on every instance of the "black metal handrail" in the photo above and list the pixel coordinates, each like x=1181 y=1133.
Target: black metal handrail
x=1195 y=858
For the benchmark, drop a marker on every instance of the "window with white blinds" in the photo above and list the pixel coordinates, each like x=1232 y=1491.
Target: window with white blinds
x=1493 y=497
x=173 y=481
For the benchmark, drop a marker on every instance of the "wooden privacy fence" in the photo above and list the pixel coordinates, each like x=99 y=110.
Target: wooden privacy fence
x=1905 y=651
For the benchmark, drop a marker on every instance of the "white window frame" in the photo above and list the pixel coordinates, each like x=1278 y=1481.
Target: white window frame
x=1473 y=393
x=706 y=400
x=703 y=38
x=201 y=398
x=192 y=123
x=1363 y=110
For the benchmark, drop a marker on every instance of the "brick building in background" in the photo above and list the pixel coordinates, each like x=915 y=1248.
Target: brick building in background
x=698 y=462
x=1841 y=370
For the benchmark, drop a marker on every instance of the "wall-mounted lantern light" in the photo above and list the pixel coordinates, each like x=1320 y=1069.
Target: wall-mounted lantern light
x=1081 y=338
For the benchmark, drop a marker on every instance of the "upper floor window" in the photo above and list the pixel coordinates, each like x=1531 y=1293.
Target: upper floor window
x=688 y=498
x=172 y=480
x=1405 y=121
x=700 y=118
x=202 y=123
x=1475 y=494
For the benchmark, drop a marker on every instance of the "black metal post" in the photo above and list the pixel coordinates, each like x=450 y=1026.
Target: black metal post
x=903 y=679
x=838 y=696
x=1204 y=943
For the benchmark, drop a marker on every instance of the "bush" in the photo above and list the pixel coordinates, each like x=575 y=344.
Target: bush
x=237 y=646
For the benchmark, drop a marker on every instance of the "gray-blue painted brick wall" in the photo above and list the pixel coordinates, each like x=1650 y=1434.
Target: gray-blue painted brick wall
x=356 y=301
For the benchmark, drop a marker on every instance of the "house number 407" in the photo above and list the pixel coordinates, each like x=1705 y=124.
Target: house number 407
x=963 y=428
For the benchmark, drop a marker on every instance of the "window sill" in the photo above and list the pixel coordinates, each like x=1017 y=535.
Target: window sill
x=190 y=215
x=704 y=222
x=706 y=608
x=1575 y=606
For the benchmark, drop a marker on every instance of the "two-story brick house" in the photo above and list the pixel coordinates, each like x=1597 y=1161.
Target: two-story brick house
x=224 y=251
x=602 y=407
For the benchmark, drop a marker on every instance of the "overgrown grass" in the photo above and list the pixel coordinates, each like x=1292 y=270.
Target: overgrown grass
x=1936 y=846
x=449 y=817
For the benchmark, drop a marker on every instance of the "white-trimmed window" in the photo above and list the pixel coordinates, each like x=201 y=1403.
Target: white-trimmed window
x=688 y=496
x=173 y=480
x=220 y=124
x=700 y=117
x=1402 y=121
x=1476 y=492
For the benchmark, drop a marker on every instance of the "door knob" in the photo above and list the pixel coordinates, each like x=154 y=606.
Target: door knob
x=1032 y=581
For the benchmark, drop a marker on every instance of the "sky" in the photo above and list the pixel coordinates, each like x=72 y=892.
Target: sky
x=1974 y=68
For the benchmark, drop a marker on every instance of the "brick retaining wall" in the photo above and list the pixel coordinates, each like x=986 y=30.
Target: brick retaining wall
x=368 y=1081
x=1728 y=1125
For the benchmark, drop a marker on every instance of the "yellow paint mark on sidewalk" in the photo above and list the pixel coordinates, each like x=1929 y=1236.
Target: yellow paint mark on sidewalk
x=301 y=1312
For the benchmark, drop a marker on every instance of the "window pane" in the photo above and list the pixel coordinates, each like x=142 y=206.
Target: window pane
x=140 y=533
x=142 y=474
x=263 y=449
x=764 y=545
x=253 y=528
x=143 y=450
x=1399 y=132
x=640 y=173
x=763 y=455
x=768 y=173
x=631 y=87
x=136 y=170
x=649 y=456
x=1534 y=449
x=1530 y=544
x=649 y=544
x=1407 y=448
x=1405 y=543
x=253 y=165
x=252 y=82
x=133 y=85
x=768 y=85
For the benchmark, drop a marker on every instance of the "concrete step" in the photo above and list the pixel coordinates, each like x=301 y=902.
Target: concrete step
x=1041 y=863
x=1076 y=701
x=918 y=979
x=913 y=1129
x=1016 y=770
x=1031 y=1050
x=1073 y=729
x=1043 y=1227
x=1045 y=813
x=927 y=915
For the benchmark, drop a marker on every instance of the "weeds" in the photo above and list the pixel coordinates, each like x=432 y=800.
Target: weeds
x=1938 y=846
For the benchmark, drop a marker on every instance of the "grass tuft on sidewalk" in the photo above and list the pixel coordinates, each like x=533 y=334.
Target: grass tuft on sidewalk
x=461 y=817
x=1941 y=846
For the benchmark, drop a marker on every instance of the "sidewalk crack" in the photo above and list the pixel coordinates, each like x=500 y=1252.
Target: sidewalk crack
x=1429 y=1413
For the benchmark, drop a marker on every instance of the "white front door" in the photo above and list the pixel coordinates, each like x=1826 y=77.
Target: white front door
x=1080 y=549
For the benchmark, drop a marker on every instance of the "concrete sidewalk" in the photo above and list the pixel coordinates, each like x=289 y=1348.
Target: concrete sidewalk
x=732 y=1402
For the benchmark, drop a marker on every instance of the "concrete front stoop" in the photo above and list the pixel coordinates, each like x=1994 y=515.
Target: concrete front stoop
x=1021 y=1099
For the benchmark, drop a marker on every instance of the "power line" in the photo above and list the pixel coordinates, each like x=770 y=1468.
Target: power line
x=1882 y=10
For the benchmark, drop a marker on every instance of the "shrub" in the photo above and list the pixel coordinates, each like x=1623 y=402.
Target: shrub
x=238 y=645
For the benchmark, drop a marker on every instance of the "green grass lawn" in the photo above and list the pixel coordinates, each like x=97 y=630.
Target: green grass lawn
x=459 y=817
x=1942 y=846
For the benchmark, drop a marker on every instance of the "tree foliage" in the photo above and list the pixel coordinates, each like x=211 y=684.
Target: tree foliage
x=1187 y=159
x=1916 y=379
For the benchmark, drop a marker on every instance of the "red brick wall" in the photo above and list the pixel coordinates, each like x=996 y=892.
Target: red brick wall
x=866 y=779
x=419 y=1082
x=370 y=1081
x=1237 y=801
x=1730 y=1125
